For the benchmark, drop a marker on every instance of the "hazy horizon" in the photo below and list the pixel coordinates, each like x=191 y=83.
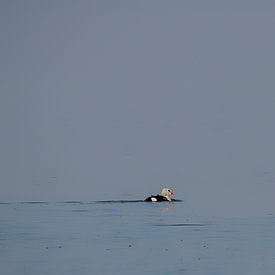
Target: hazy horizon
x=106 y=99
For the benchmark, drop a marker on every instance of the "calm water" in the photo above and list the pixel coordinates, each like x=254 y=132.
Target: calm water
x=131 y=238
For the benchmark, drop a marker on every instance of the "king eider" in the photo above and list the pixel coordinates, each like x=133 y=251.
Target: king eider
x=166 y=194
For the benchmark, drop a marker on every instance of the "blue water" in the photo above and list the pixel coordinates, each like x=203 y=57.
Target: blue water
x=131 y=238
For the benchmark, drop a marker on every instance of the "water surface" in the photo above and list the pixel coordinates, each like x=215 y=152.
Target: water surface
x=127 y=237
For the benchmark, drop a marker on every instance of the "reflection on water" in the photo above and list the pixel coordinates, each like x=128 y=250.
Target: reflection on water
x=136 y=237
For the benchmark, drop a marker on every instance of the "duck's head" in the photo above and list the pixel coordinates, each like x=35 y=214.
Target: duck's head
x=167 y=193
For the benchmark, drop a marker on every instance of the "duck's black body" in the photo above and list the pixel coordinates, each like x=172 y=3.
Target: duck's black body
x=156 y=198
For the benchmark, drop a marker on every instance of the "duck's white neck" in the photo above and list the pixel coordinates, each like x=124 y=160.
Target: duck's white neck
x=168 y=198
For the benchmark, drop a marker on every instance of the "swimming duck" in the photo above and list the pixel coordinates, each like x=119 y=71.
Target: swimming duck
x=166 y=194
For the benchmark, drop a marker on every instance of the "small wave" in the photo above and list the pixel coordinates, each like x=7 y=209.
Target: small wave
x=120 y=201
x=73 y=202
x=34 y=202
x=181 y=224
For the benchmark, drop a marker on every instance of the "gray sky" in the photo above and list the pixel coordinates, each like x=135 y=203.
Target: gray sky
x=100 y=99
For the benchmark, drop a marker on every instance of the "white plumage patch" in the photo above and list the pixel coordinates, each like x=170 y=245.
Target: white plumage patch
x=154 y=199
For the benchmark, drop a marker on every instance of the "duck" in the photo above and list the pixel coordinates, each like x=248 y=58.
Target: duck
x=166 y=194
